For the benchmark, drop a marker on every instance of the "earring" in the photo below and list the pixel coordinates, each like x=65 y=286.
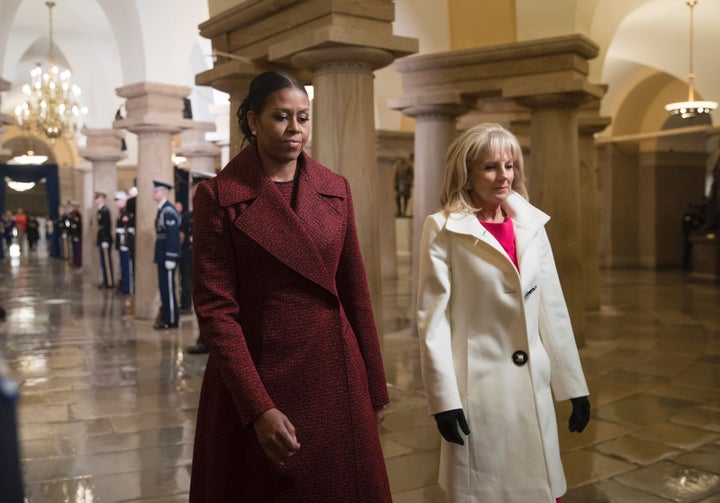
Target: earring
x=254 y=133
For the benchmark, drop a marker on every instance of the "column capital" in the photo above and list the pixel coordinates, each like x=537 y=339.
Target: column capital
x=5 y=85
x=153 y=106
x=342 y=59
x=423 y=106
x=560 y=94
x=103 y=145
x=592 y=125
x=194 y=144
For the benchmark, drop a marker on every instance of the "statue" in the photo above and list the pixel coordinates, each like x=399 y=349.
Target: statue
x=403 y=184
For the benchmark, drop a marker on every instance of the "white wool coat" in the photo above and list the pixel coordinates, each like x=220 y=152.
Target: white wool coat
x=475 y=311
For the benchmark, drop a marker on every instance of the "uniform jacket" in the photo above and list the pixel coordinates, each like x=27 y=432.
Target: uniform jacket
x=475 y=311
x=104 y=233
x=122 y=234
x=167 y=234
x=283 y=305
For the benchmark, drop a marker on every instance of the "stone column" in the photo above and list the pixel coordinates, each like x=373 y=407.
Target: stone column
x=236 y=86
x=103 y=150
x=434 y=132
x=554 y=187
x=589 y=209
x=5 y=120
x=154 y=113
x=201 y=154
x=344 y=137
x=392 y=146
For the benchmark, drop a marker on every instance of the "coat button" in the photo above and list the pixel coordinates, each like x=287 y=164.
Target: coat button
x=519 y=358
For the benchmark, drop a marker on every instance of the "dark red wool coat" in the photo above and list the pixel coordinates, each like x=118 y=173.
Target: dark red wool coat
x=283 y=304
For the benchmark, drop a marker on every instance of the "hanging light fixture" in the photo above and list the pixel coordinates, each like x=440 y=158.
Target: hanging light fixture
x=50 y=107
x=691 y=108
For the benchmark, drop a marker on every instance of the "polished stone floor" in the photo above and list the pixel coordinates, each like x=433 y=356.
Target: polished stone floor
x=108 y=405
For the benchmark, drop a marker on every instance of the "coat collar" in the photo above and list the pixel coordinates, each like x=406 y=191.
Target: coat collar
x=527 y=221
x=268 y=219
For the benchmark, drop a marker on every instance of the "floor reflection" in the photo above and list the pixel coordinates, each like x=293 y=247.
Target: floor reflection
x=108 y=405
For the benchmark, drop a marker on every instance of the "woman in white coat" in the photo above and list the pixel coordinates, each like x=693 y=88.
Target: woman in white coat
x=495 y=336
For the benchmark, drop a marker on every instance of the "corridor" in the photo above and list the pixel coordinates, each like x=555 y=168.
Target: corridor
x=108 y=405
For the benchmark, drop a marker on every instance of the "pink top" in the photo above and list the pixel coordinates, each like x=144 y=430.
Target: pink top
x=504 y=232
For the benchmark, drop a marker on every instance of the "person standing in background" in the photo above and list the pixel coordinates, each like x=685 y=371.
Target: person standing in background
x=167 y=254
x=104 y=240
x=32 y=230
x=122 y=244
x=75 y=218
x=21 y=226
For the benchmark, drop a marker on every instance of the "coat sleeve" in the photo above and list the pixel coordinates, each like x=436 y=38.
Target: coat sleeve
x=567 y=379
x=214 y=296
x=433 y=319
x=355 y=299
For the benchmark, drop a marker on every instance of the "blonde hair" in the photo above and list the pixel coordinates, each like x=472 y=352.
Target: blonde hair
x=480 y=142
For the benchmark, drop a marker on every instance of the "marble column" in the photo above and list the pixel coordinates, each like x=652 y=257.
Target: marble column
x=553 y=181
x=154 y=114
x=201 y=154
x=5 y=120
x=392 y=146
x=435 y=130
x=90 y=259
x=589 y=209
x=103 y=150
x=237 y=88
x=344 y=137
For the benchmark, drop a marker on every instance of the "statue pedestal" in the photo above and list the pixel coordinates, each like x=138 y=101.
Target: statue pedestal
x=705 y=258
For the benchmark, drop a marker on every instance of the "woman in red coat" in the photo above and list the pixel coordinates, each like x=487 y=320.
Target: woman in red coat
x=294 y=388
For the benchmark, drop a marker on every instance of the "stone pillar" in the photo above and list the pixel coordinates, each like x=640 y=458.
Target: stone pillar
x=554 y=187
x=103 y=150
x=201 y=154
x=5 y=120
x=392 y=146
x=344 y=137
x=434 y=132
x=154 y=113
x=236 y=85
x=221 y=136
x=589 y=208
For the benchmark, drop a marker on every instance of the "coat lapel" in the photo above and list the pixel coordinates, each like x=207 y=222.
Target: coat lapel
x=527 y=221
x=260 y=211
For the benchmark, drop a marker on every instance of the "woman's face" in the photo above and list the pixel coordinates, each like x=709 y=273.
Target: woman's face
x=491 y=180
x=283 y=126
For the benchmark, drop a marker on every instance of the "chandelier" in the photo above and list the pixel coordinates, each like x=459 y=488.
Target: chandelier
x=50 y=105
x=691 y=108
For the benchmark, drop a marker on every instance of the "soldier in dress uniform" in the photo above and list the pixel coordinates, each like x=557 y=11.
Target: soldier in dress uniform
x=167 y=253
x=122 y=243
x=75 y=218
x=63 y=227
x=104 y=240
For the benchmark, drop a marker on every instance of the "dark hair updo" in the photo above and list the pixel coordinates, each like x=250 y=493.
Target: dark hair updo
x=261 y=87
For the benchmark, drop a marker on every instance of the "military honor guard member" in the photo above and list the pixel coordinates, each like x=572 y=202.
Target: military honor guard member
x=63 y=227
x=167 y=253
x=104 y=240
x=122 y=243
x=75 y=218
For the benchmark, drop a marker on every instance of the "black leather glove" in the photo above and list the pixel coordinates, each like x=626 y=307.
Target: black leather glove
x=580 y=413
x=447 y=423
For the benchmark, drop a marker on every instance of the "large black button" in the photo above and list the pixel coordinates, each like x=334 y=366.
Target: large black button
x=520 y=358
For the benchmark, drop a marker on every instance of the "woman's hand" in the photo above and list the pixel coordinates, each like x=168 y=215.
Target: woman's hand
x=380 y=415
x=580 y=414
x=448 y=422
x=276 y=435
